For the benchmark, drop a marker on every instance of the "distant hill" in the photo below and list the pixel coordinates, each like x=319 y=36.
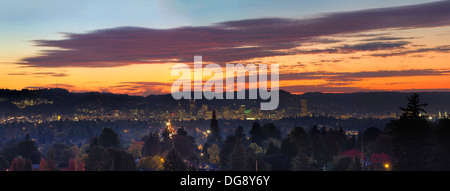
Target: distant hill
x=47 y=101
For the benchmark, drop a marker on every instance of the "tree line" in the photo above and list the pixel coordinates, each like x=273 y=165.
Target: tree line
x=410 y=142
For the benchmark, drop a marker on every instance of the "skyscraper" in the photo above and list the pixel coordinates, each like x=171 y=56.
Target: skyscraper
x=304 y=109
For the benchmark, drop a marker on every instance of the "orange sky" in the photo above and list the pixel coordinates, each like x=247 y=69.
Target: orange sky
x=341 y=71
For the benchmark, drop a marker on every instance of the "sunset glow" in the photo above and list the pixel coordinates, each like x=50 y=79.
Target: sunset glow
x=397 y=48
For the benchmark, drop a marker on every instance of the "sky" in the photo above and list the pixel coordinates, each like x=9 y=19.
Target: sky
x=130 y=47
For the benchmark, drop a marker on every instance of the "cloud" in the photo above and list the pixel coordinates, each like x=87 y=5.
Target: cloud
x=65 y=86
x=341 y=82
x=39 y=74
x=357 y=76
x=230 y=41
x=347 y=49
x=384 y=38
x=441 y=49
x=326 y=88
x=141 y=88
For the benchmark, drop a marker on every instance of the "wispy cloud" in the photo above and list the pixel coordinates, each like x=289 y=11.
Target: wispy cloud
x=141 y=88
x=441 y=49
x=233 y=40
x=357 y=76
x=39 y=74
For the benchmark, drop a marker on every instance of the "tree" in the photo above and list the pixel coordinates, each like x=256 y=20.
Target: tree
x=109 y=138
x=214 y=137
x=414 y=108
x=347 y=163
x=370 y=135
x=227 y=149
x=174 y=162
x=314 y=131
x=80 y=166
x=380 y=158
x=18 y=164
x=238 y=159
x=51 y=165
x=257 y=135
x=28 y=166
x=296 y=141
x=239 y=133
x=255 y=158
x=185 y=145
x=153 y=163
x=55 y=151
x=136 y=149
x=352 y=153
x=43 y=165
x=272 y=148
x=278 y=162
x=70 y=153
x=213 y=153
x=271 y=131
x=117 y=160
x=410 y=137
x=441 y=150
x=94 y=158
x=73 y=165
x=301 y=162
x=152 y=145
x=27 y=149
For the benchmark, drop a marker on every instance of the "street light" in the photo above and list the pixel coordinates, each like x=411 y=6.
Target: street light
x=387 y=166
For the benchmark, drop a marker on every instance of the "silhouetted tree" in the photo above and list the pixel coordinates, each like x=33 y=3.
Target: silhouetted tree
x=370 y=135
x=214 y=137
x=296 y=141
x=257 y=134
x=272 y=148
x=152 y=145
x=109 y=138
x=278 y=162
x=94 y=158
x=239 y=132
x=28 y=166
x=414 y=109
x=27 y=149
x=227 y=149
x=441 y=146
x=117 y=160
x=55 y=151
x=185 y=145
x=301 y=162
x=314 y=131
x=410 y=136
x=238 y=160
x=271 y=131
x=174 y=162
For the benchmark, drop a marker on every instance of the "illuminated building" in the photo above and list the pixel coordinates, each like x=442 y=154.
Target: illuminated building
x=304 y=109
x=170 y=128
x=351 y=133
x=192 y=107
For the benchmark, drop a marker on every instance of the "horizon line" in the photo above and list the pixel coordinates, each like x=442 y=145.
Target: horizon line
x=374 y=91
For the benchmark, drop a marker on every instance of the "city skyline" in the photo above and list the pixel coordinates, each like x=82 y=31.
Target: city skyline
x=351 y=46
